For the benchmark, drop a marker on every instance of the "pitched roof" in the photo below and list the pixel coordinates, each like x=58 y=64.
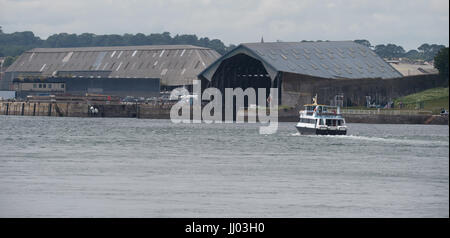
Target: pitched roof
x=173 y=64
x=331 y=59
x=110 y=48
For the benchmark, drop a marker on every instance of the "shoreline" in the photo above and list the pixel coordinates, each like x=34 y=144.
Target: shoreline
x=162 y=111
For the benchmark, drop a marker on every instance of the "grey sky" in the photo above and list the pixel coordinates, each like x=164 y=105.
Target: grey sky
x=405 y=22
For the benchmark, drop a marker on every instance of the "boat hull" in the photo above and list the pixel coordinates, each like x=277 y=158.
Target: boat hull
x=314 y=131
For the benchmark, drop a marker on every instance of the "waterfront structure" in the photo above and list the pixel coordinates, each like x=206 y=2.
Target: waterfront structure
x=173 y=65
x=137 y=87
x=408 y=69
x=302 y=69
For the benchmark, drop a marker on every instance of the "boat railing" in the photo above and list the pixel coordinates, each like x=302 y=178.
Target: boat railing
x=385 y=112
x=310 y=113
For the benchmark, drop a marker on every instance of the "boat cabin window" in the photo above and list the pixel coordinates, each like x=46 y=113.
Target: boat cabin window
x=333 y=122
x=310 y=108
x=307 y=120
x=321 y=121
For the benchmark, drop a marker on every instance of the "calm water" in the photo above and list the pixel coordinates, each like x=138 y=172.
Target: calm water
x=92 y=167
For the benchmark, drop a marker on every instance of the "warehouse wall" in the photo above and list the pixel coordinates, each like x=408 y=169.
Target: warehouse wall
x=298 y=90
x=138 y=87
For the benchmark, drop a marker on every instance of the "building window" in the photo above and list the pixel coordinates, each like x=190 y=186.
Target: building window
x=62 y=85
x=45 y=85
x=34 y=85
x=40 y=85
x=49 y=85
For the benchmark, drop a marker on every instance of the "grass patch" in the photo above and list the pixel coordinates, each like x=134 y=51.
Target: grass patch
x=432 y=100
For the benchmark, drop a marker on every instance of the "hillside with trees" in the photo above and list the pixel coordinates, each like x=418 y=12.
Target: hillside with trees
x=425 y=52
x=14 y=44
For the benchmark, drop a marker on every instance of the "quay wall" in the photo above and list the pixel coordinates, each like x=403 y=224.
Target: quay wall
x=376 y=118
x=162 y=111
x=44 y=109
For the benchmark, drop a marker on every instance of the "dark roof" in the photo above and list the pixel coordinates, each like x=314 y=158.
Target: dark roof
x=173 y=64
x=330 y=59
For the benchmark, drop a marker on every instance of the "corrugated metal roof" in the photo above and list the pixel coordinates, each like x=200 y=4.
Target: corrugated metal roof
x=109 y=48
x=173 y=64
x=331 y=59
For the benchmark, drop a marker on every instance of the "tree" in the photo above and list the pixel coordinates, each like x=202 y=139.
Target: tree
x=364 y=43
x=138 y=39
x=9 y=60
x=389 y=51
x=424 y=48
x=412 y=54
x=86 y=39
x=428 y=52
x=441 y=62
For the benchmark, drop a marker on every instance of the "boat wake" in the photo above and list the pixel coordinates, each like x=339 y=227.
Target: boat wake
x=389 y=140
x=378 y=139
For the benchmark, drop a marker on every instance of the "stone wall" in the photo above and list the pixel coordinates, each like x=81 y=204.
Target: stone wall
x=397 y=119
x=154 y=111
x=44 y=109
x=151 y=111
x=82 y=109
x=292 y=115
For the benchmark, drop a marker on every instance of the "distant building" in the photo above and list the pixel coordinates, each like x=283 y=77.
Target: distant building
x=172 y=65
x=408 y=69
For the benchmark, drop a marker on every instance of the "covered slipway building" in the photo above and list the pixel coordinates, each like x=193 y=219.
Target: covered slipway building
x=298 y=69
x=91 y=68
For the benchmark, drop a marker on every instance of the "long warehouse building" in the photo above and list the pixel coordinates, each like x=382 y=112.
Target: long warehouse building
x=341 y=70
x=172 y=65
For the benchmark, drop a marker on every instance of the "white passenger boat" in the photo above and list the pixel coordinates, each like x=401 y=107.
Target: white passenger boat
x=319 y=119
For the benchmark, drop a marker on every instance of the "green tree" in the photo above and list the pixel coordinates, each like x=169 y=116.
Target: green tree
x=86 y=39
x=413 y=54
x=138 y=39
x=9 y=60
x=364 y=43
x=389 y=51
x=428 y=52
x=16 y=43
x=441 y=62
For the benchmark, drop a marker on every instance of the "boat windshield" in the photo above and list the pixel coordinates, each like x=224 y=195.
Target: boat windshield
x=329 y=110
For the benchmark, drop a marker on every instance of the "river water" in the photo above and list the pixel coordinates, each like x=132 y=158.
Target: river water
x=106 y=167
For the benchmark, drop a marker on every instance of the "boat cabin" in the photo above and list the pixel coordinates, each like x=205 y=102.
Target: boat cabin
x=324 y=121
